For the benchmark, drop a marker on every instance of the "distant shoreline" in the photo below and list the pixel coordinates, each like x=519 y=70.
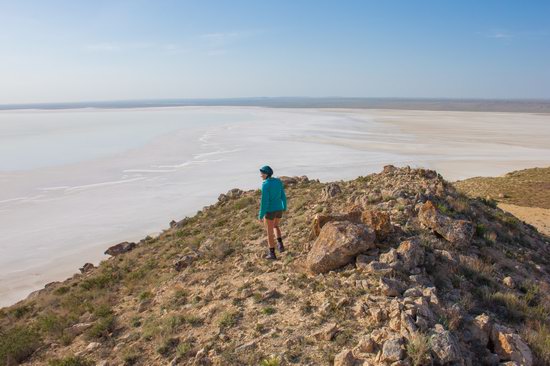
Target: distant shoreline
x=430 y=104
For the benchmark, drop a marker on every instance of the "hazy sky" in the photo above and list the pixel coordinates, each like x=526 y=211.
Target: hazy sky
x=53 y=51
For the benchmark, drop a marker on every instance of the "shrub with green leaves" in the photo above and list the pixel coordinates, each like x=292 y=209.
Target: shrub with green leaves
x=18 y=343
x=71 y=361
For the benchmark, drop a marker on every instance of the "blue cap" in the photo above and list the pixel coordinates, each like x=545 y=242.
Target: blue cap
x=267 y=170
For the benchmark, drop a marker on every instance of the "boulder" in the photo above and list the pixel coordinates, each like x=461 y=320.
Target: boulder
x=445 y=347
x=338 y=244
x=393 y=350
x=87 y=267
x=411 y=254
x=457 y=232
x=231 y=194
x=379 y=221
x=120 y=248
x=320 y=220
x=481 y=329
x=291 y=181
x=509 y=346
x=329 y=191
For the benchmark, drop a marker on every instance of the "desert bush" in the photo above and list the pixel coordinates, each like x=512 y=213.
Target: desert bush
x=228 y=319
x=16 y=344
x=418 y=349
x=71 y=361
x=537 y=335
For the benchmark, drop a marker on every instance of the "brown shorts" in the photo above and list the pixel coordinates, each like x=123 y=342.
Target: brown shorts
x=274 y=214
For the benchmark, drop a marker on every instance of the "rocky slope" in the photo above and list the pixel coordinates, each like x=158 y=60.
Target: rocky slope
x=395 y=268
x=523 y=193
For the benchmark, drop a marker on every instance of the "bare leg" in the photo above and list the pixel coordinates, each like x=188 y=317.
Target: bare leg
x=276 y=225
x=270 y=237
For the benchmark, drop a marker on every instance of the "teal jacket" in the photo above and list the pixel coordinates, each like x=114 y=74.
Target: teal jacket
x=273 y=197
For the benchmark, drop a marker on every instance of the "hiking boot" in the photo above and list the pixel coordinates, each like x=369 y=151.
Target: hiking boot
x=280 y=246
x=271 y=254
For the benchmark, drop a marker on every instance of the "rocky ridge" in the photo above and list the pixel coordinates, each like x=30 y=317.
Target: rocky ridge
x=395 y=268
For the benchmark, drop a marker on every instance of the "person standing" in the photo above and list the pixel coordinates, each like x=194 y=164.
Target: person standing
x=272 y=205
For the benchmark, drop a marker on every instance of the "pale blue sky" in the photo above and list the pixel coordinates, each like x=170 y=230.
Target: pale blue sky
x=55 y=51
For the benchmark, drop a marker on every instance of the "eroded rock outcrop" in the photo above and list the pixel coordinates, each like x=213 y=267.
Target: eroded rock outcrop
x=457 y=232
x=338 y=244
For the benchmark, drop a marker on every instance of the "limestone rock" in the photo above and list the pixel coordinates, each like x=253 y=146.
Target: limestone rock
x=509 y=346
x=231 y=194
x=320 y=220
x=378 y=268
x=338 y=244
x=379 y=221
x=344 y=358
x=291 y=181
x=391 y=287
x=87 y=267
x=393 y=350
x=390 y=257
x=457 y=232
x=411 y=254
x=481 y=329
x=445 y=347
x=183 y=262
x=365 y=345
x=329 y=191
x=120 y=248
x=327 y=333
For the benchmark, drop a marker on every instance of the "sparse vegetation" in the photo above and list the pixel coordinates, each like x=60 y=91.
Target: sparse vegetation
x=226 y=297
x=418 y=349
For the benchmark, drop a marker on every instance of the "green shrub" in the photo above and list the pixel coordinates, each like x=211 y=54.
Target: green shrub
x=537 y=336
x=418 y=349
x=228 y=319
x=18 y=343
x=167 y=346
x=272 y=361
x=61 y=290
x=130 y=357
x=21 y=311
x=102 y=327
x=52 y=324
x=71 y=361
x=268 y=310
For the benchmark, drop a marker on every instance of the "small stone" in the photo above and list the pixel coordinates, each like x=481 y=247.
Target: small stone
x=378 y=315
x=344 y=358
x=509 y=282
x=327 y=333
x=92 y=346
x=390 y=287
